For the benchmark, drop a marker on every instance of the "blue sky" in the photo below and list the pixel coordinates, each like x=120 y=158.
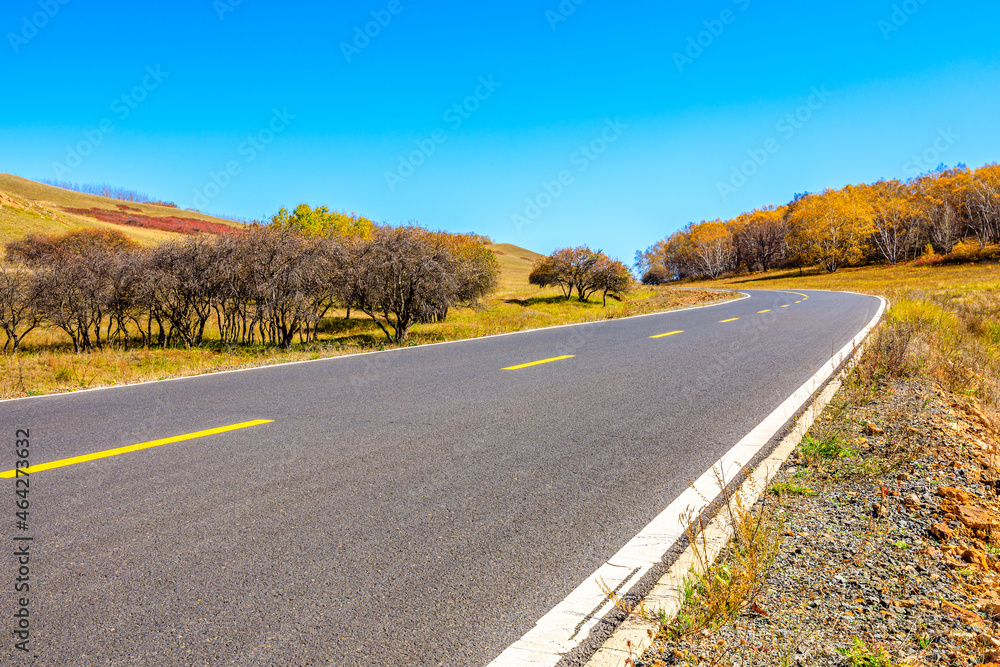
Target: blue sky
x=611 y=124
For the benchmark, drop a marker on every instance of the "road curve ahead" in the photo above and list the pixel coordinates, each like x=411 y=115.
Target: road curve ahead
x=424 y=506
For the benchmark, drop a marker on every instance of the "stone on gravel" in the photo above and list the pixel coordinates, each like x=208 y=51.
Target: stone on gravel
x=977 y=518
x=942 y=531
x=952 y=493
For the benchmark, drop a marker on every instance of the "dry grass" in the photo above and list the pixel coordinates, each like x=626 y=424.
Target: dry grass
x=716 y=593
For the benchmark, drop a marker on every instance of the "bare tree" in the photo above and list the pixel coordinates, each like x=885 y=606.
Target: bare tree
x=19 y=313
x=399 y=276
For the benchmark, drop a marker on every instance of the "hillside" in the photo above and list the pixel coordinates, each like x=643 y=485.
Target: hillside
x=515 y=265
x=27 y=207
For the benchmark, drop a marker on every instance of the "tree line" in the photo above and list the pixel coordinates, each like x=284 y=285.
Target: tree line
x=887 y=221
x=264 y=285
x=107 y=190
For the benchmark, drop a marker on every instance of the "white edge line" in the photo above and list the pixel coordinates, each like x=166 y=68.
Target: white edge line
x=355 y=355
x=567 y=625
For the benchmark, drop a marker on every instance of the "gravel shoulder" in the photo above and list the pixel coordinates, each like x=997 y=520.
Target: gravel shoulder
x=889 y=543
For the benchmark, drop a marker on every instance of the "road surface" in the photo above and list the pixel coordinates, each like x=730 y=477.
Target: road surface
x=421 y=506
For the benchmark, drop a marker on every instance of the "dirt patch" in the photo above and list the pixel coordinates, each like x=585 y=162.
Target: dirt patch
x=167 y=223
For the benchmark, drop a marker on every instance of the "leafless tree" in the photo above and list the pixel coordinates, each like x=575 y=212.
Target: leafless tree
x=19 y=313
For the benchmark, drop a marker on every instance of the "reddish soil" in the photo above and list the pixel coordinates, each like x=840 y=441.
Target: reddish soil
x=166 y=224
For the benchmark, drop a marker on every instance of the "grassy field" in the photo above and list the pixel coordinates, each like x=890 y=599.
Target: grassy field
x=948 y=316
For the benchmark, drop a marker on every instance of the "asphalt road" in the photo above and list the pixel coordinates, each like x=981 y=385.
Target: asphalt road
x=418 y=506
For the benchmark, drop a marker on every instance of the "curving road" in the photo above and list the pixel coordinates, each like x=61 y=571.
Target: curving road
x=420 y=506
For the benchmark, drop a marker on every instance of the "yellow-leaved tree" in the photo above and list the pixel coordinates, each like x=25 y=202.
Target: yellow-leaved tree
x=829 y=229
x=321 y=221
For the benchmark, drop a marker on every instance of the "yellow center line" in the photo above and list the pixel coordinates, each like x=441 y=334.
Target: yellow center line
x=133 y=448
x=761 y=312
x=787 y=305
x=672 y=333
x=732 y=320
x=537 y=363
x=804 y=296
x=798 y=302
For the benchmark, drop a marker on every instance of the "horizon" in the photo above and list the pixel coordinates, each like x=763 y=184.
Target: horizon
x=543 y=125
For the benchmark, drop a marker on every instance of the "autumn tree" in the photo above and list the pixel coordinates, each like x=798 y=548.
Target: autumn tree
x=667 y=260
x=475 y=266
x=612 y=278
x=321 y=221
x=830 y=228
x=580 y=269
x=759 y=236
x=712 y=245
x=895 y=218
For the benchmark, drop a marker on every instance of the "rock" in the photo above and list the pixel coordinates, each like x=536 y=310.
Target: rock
x=930 y=552
x=988 y=641
x=872 y=429
x=903 y=477
x=911 y=501
x=879 y=510
x=968 y=617
x=951 y=493
x=991 y=609
x=978 y=519
x=976 y=557
x=992 y=656
x=942 y=531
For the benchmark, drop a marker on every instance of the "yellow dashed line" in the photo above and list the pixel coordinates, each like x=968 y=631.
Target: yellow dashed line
x=537 y=363
x=732 y=320
x=672 y=333
x=761 y=312
x=133 y=448
x=787 y=305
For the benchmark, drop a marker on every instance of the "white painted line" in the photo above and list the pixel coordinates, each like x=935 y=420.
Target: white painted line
x=568 y=624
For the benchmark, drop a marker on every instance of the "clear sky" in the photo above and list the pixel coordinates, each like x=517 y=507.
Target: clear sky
x=581 y=121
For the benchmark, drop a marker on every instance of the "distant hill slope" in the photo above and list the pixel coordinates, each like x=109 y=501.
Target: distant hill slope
x=27 y=207
x=515 y=265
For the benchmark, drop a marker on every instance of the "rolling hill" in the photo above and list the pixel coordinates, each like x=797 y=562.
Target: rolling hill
x=27 y=207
